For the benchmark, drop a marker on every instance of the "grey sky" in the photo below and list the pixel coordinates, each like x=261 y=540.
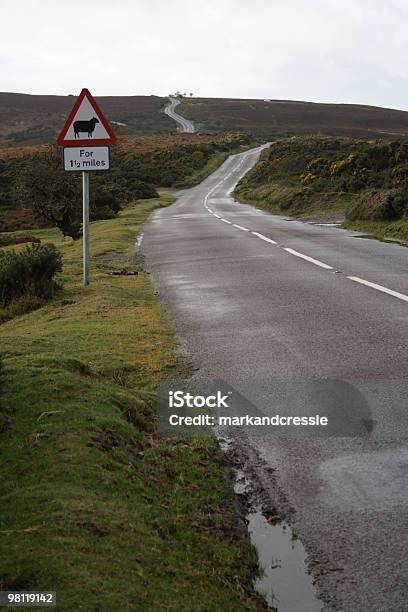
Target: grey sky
x=320 y=50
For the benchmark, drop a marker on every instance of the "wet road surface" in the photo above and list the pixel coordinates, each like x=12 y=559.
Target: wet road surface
x=185 y=124
x=261 y=301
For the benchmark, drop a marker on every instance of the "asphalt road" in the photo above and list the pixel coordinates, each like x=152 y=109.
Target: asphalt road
x=282 y=309
x=186 y=125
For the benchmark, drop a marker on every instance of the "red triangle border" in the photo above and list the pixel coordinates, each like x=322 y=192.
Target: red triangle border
x=85 y=93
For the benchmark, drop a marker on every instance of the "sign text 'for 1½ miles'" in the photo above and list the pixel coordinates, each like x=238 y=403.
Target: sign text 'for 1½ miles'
x=86 y=158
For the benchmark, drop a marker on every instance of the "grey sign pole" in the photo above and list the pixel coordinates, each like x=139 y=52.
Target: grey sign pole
x=85 y=226
x=85 y=154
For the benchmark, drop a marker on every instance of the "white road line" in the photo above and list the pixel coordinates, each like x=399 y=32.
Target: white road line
x=262 y=237
x=316 y=262
x=400 y=296
x=307 y=258
x=209 y=210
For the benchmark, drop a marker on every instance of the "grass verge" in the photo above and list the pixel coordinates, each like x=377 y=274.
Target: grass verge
x=380 y=229
x=93 y=504
x=327 y=205
x=284 y=198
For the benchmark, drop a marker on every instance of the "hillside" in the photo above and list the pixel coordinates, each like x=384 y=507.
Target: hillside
x=138 y=164
x=31 y=119
x=367 y=182
x=274 y=118
x=131 y=143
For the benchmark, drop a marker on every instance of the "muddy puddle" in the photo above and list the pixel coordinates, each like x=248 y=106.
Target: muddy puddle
x=284 y=581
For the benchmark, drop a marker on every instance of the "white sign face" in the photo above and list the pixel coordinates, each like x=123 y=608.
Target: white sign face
x=86 y=124
x=86 y=158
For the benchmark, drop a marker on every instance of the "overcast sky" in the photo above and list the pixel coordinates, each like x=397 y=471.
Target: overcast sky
x=319 y=50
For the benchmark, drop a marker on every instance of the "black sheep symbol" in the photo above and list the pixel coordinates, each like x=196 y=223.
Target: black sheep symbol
x=85 y=126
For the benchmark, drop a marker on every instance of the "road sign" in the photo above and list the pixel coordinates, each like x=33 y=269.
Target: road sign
x=86 y=124
x=85 y=130
x=86 y=158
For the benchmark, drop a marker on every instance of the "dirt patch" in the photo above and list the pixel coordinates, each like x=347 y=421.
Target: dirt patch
x=332 y=218
x=264 y=490
x=134 y=259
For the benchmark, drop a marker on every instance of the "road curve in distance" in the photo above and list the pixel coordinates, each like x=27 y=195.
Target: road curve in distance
x=186 y=125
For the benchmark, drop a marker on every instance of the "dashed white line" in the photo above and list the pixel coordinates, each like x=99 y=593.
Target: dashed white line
x=310 y=259
x=400 y=296
x=316 y=262
x=262 y=237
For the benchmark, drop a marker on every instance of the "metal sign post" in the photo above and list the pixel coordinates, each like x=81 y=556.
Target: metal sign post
x=84 y=138
x=85 y=226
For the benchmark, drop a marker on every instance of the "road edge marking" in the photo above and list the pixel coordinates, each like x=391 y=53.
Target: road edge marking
x=316 y=262
x=262 y=237
x=395 y=294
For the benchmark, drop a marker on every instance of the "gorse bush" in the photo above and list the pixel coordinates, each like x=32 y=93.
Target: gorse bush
x=299 y=174
x=30 y=272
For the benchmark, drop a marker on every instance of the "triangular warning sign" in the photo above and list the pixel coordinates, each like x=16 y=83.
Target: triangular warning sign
x=86 y=124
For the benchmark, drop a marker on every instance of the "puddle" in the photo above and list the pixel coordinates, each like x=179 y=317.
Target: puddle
x=284 y=583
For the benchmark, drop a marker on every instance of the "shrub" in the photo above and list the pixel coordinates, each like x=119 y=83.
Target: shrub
x=377 y=157
x=53 y=194
x=104 y=206
x=20 y=306
x=2 y=377
x=372 y=205
x=398 y=201
x=29 y=272
x=36 y=183
x=2 y=371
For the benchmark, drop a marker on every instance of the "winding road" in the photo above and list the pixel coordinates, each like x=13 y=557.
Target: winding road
x=185 y=124
x=300 y=317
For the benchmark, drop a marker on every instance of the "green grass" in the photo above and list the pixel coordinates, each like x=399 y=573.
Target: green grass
x=380 y=229
x=315 y=175
x=93 y=504
x=279 y=198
